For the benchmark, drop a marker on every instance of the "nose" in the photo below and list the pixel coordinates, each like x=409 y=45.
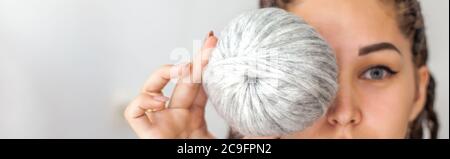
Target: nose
x=344 y=111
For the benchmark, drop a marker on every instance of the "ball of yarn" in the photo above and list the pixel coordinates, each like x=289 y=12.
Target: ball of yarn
x=270 y=74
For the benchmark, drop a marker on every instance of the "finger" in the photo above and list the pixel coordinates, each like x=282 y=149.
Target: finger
x=185 y=92
x=211 y=41
x=208 y=47
x=202 y=58
x=153 y=103
x=210 y=44
x=144 y=102
x=135 y=114
x=156 y=82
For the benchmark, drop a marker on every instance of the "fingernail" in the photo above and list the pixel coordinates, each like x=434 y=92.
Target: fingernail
x=161 y=98
x=211 y=33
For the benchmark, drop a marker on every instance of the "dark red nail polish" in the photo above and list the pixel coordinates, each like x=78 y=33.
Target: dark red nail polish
x=211 y=34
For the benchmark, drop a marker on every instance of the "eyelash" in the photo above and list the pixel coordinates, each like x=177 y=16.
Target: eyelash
x=387 y=72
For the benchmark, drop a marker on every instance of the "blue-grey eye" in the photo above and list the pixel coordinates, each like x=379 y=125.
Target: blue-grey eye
x=378 y=73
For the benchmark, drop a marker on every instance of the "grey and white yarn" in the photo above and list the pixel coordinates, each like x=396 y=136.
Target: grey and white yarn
x=270 y=74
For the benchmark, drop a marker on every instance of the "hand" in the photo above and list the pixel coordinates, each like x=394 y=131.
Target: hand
x=185 y=115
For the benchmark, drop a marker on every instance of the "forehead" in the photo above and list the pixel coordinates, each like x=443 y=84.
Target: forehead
x=350 y=24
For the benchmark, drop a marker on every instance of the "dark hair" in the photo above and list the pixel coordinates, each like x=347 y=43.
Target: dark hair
x=411 y=23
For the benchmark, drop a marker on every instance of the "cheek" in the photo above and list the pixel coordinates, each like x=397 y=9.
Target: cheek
x=386 y=108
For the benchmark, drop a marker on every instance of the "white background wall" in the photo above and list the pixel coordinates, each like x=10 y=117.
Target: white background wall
x=69 y=67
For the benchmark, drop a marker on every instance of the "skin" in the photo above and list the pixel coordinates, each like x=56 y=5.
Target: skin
x=380 y=89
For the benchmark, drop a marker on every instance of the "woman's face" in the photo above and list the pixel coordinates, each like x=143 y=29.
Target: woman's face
x=380 y=90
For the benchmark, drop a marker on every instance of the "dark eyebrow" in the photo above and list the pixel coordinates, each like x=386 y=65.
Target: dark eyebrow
x=377 y=47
